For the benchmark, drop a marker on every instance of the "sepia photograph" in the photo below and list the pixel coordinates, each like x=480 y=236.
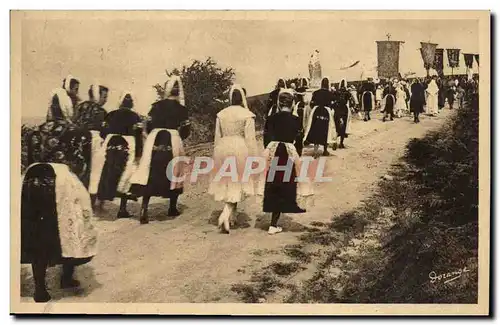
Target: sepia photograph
x=250 y=162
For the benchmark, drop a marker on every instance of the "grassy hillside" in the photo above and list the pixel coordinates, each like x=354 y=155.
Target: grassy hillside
x=432 y=203
x=407 y=243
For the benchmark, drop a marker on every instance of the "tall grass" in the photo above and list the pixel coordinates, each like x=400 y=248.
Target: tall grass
x=432 y=203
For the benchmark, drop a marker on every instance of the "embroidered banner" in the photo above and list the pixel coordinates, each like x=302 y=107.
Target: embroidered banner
x=388 y=59
x=453 y=57
x=428 y=52
x=438 y=61
x=315 y=70
x=469 y=60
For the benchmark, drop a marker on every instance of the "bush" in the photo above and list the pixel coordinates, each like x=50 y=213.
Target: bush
x=206 y=90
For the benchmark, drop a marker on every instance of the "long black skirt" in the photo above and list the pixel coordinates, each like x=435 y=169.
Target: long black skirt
x=40 y=240
x=318 y=134
x=117 y=153
x=441 y=98
x=158 y=183
x=389 y=105
x=280 y=195
x=367 y=102
x=416 y=105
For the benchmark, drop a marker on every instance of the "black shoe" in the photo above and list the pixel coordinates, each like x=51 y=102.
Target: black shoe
x=334 y=146
x=143 y=217
x=341 y=146
x=383 y=119
x=123 y=215
x=173 y=212
x=298 y=209
x=41 y=296
x=326 y=153
x=69 y=283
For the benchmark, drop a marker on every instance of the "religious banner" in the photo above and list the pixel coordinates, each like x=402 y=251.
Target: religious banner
x=315 y=70
x=428 y=52
x=469 y=60
x=438 y=61
x=453 y=57
x=388 y=59
x=477 y=58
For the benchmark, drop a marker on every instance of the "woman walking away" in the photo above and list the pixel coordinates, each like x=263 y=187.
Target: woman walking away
x=389 y=102
x=279 y=193
x=341 y=114
x=234 y=143
x=320 y=128
x=64 y=100
x=417 y=99
x=167 y=125
x=122 y=146
x=56 y=224
x=367 y=99
x=400 y=101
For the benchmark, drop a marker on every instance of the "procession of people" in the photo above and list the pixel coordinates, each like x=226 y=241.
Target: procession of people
x=83 y=156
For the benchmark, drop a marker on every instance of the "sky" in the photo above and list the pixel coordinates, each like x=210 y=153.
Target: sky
x=133 y=54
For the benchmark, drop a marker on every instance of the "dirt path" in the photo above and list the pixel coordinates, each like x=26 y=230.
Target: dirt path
x=187 y=260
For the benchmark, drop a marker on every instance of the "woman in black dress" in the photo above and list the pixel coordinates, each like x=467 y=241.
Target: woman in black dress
x=54 y=201
x=280 y=194
x=341 y=111
x=367 y=99
x=168 y=124
x=390 y=101
x=417 y=99
x=320 y=122
x=122 y=132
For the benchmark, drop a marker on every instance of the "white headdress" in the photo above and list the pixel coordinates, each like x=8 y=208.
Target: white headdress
x=65 y=102
x=95 y=90
x=122 y=97
x=169 y=85
x=345 y=83
x=293 y=107
x=281 y=79
x=67 y=82
x=238 y=88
